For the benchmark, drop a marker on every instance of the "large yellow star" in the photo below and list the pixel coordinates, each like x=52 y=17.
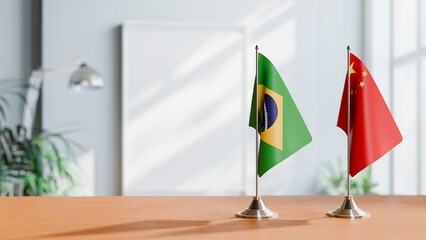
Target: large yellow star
x=351 y=69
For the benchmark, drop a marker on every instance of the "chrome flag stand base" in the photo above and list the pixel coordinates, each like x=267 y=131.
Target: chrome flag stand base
x=349 y=209
x=257 y=209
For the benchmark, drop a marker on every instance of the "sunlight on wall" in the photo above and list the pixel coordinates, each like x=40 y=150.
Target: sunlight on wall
x=405 y=113
x=205 y=52
x=394 y=48
x=283 y=38
x=267 y=13
x=405 y=12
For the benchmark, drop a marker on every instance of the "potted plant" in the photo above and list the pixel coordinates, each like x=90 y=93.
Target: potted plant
x=333 y=181
x=32 y=166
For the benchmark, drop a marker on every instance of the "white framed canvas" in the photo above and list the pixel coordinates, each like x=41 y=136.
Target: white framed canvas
x=184 y=113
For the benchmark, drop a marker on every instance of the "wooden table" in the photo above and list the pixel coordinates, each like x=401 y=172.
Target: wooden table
x=392 y=217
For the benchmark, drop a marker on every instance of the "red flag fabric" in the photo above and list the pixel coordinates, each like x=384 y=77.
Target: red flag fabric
x=373 y=131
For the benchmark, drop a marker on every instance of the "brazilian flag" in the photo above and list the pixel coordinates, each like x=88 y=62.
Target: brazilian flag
x=280 y=125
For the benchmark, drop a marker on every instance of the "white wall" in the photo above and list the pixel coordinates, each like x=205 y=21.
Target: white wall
x=305 y=39
x=340 y=23
x=395 y=58
x=15 y=47
x=377 y=57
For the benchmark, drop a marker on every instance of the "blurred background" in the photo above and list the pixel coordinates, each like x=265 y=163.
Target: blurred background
x=172 y=115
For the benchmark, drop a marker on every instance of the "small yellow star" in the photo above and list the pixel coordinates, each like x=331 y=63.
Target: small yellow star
x=351 y=69
x=364 y=73
x=361 y=84
x=352 y=92
x=356 y=91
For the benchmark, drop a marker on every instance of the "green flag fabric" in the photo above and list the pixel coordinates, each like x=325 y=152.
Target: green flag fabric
x=281 y=127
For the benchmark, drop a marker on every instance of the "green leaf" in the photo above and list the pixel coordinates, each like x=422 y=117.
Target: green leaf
x=30 y=182
x=5 y=101
x=49 y=161
x=2 y=113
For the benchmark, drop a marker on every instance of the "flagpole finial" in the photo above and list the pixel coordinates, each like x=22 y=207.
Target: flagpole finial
x=257 y=47
x=349 y=48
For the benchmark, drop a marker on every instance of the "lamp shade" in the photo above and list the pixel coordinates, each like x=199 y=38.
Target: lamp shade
x=86 y=77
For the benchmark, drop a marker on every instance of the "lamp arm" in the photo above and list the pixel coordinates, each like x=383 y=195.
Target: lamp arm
x=55 y=70
x=32 y=97
x=83 y=76
x=33 y=93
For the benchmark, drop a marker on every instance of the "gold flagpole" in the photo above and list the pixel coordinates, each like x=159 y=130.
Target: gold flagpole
x=257 y=208
x=348 y=209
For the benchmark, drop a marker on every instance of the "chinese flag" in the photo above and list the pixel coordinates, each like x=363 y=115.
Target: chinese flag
x=373 y=131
